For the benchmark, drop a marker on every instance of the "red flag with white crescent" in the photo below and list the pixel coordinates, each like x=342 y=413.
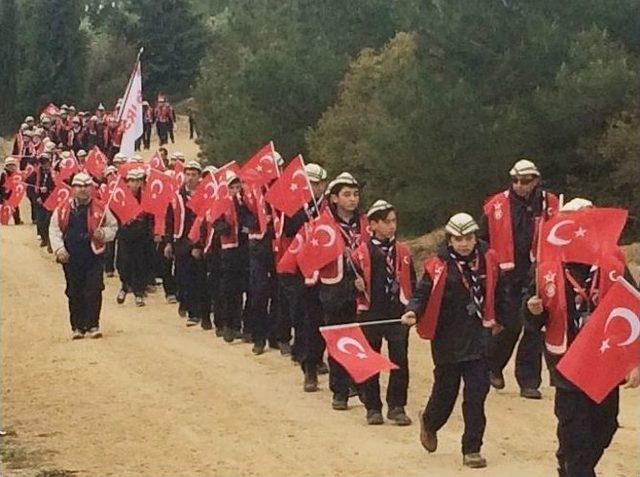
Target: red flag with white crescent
x=95 y=162
x=156 y=162
x=123 y=203
x=261 y=168
x=290 y=192
x=157 y=192
x=6 y=212
x=349 y=347
x=61 y=194
x=607 y=348
x=324 y=244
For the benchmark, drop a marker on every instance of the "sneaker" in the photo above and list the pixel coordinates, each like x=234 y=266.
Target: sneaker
x=49 y=249
x=428 y=439
x=530 y=393
x=339 y=403
x=193 y=321
x=122 y=294
x=374 y=417
x=323 y=368
x=258 y=348
x=228 y=334
x=285 y=348
x=310 y=380
x=171 y=299
x=496 y=380
x=474 y=460
x=77 y=335
x=94 y=333
x=206 y=324
x=398 y=416
x=139 y=301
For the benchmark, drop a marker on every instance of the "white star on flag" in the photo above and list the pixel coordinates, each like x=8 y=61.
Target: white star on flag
x=315 y=242
x=580 y=232
x=294 y=187
x=605 y=346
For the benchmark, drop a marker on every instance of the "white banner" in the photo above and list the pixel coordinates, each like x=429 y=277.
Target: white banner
x=131 y=118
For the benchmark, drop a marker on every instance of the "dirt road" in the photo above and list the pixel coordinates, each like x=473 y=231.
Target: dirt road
x=154 y=398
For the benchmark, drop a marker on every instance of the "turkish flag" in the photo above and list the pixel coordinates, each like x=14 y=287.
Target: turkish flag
x=127 y=166
x=288 y=263
x=349 y=347
x=204 y=192
x=157 y=193
x=221 y=173
x=323 y=245
x=156 y=162
x=66 y=168
x=178 y=174
x=607 y=348
x=261 y=168
x=581 y=236
x=290 y=192
x=60 y=194
x=14 y=180
x=95 y=162
x=194 y=231
x=6 y=212
x=18 y=190
x=123 y=203
x=27 y=171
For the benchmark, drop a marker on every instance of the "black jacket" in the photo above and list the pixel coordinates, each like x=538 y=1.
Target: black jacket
x=459 y=336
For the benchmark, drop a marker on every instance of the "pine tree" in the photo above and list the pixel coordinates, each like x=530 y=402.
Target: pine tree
x=9 y=62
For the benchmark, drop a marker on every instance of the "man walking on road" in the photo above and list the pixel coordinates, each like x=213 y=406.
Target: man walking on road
x=78 y=233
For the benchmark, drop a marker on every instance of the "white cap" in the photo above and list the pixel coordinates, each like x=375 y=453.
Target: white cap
x=64 y=106
x=10 y=161
x=24 y=127
x=209 y=170
x=278 y=158
x=461 y=224
x=178 y=155
x=28 y=118
x=230 y=176
x=65 y=154
x=343 y=178
x=49 y=146
x=110 y=170
x=315 y=172
x=576 y=204
x=136 y=157
x=45 y=119
x=524 y=167
x=101 y=107
x=145 y=103
x=135 y=174
x=38 y=132
x=82 y=178
x=193 y=165
x=120 y=157
x=377 y=206
x=81 y=152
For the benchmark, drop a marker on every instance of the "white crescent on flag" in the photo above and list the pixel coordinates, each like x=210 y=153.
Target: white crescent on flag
x=158 y=182
x=553 y=238
x=349 y=341
x=631 y=318
x=330 y=232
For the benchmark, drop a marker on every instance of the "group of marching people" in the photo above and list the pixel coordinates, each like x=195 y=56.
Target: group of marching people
x=237 y=273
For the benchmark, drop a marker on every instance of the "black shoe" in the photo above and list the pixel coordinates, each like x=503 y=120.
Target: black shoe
x=139 y=301
x=122 y=294
x=323 y=368
x=428 y=439
x=182 y=312
x=258 y=348
x=193 y=321
x=43 y=243
x=339 y=403
x=206 y=324
x=310 y=380
x=353 y=391
x=398 y=416
x=237 y=335
x=274 y=344
x=246 y=337
x=219 y=332
x=228 y=334
x=374 y=417
x=530 y=393
x=49 y=249
x=474 y=461
x=496 y=380
x=285 y=348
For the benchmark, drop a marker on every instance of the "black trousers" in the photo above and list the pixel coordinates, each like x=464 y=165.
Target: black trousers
x=191 y=278
x=528 y=366
x=162 y=130
x=84 y=291
x=585 y=430
x=397 y=337
x=291 y=309
x=110 y=257
x=43 y=218
x=192 y=128
x=215 y=298
x=164 y=270
x=262 y=305
x=446 y=387
x=233 y=283
x=132 y=265
x=170 y=129
x=338 y=308
x=146 y=135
